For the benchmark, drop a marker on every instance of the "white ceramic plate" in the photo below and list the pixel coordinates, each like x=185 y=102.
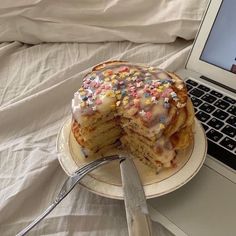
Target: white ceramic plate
x=106 y=180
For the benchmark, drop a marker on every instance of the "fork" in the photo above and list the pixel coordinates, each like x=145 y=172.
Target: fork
x=68 y=185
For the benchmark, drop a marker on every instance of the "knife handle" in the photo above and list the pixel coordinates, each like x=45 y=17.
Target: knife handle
x=139 y=224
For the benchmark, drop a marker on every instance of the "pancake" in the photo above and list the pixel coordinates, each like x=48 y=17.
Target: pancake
x=141 y=108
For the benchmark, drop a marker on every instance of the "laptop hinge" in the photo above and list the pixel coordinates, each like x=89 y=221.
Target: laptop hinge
x=217 y=83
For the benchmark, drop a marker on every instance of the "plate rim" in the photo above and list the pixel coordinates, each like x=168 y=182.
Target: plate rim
x=64 y=157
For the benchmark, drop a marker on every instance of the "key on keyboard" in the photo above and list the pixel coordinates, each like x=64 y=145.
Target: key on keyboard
x=228 y=143
x=207 y=108
x=232 y=121
x=232 y=110
x=220 y=114
x=221 y=154
x=196 y=92
x=229 y=130
x=221 y=104
x=214 y=135
x=189 y=87
x=196 y=102
x=189 y=81
x=202 y=116
x=215 y=123
x=230 y=100
x=204 y=88
x=209 y=98
x=216 y=94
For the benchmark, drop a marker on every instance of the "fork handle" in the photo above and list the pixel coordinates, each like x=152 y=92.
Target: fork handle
x=38 y=219
x=68 y=186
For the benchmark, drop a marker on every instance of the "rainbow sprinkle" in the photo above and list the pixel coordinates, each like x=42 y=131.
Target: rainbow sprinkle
x=136 y=87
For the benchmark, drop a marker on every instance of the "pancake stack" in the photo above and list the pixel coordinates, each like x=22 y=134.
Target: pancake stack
x=140 y=108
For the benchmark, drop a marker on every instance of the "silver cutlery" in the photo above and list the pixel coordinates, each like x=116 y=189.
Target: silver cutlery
x=138 y=219
x=68 y=186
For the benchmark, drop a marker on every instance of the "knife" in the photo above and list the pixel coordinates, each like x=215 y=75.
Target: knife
x=138 y=220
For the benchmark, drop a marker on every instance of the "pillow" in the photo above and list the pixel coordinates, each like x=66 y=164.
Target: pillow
x=162 y=21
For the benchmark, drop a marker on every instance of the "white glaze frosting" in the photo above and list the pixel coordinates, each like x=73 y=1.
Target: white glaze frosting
x=146 y=92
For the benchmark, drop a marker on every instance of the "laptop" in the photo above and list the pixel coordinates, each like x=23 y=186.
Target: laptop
x=207 y=204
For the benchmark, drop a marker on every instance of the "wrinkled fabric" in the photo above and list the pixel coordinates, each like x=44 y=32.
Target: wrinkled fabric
x=36 y=87
x=142 y=21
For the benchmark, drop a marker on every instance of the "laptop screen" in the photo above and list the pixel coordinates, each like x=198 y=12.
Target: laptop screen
x=220 y=47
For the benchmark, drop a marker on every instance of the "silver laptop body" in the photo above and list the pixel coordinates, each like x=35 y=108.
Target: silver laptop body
x=207 y=204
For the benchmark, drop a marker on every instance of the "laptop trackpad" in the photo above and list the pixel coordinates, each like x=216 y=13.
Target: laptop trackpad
x=204 y=206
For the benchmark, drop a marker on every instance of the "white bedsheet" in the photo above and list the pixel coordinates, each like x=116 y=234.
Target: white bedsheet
x=140 y=21
x=36 y=87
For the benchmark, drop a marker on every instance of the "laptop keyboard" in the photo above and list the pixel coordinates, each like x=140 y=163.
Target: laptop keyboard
x=217 y=113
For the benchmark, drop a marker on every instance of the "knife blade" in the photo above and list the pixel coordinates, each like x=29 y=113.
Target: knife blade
x=138 y=220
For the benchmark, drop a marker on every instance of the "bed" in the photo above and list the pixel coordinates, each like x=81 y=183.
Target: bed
x=45 y=50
